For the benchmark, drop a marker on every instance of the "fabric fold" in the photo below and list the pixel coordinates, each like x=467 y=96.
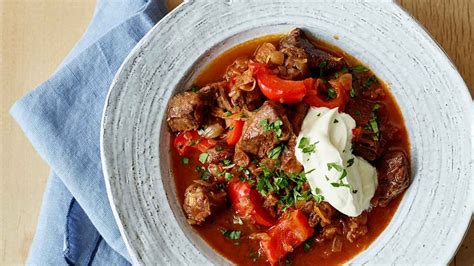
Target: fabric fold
x=62 y=119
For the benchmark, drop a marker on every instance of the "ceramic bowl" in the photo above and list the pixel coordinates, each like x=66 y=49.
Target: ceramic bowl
x=435 y=211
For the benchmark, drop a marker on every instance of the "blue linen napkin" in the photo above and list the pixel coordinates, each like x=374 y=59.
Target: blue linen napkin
x=61 y=118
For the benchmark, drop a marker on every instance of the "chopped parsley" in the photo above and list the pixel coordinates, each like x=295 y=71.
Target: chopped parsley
x=219 y=148
x=205 y=175
x=274 y=126
x=332 y=93
x=194 y=88
x=226 y=162
x=336 y=121
x=307 y=244
x=228 y=176
x=322 y=65
x=199 y=168
x=230 y=234
x=306 y=147
x=340 y=184
x=203 y=157
x=275 y=153
x=357 y=113
x=370 y=81
x=185 y=160
x=227 y=113
x=350 y=162
x=359 y=68
x=336 y=166
x=318 y=197
x=352 y=92
x=376 y=107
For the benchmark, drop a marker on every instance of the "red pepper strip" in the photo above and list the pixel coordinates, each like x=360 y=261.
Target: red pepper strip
x=187 y=140
x=234 y=134
x=278 y=89
x=290 y=231
x=247 y=203
x=341 y=86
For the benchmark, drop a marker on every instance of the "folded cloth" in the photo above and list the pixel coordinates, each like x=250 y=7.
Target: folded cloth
x=62 y=119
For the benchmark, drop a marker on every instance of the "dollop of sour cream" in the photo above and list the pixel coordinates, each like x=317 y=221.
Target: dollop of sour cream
x=347 y=182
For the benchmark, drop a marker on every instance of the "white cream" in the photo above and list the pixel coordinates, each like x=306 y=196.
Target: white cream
x=332 y=131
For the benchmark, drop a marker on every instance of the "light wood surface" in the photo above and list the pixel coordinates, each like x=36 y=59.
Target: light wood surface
x=35 y=35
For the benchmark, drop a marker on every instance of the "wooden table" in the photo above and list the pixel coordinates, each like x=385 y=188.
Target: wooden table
x=35 y=37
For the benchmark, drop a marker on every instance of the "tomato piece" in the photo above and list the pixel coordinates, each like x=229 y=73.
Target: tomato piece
x=248 y=203
x=290 y=231
x=341 y=86
x=187 y=140
x=278 y=89
x=234 y=134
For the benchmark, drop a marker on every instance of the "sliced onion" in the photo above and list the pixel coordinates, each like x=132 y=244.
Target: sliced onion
x=228 y=166
x=259 y=236
x=336 y=244
x=213 y=131
x=263 y=52
x=277 y=58
x=245 y=82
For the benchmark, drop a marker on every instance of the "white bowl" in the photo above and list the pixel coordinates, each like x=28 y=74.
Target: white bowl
x=435 y=211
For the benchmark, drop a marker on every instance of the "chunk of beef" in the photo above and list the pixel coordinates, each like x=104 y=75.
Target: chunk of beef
x=296 y=115
x=253 y=99
x=368 y=145
x=261 y=133
x=308 y=209
x=219 y=153
x=189 y=110
x=393 y=172
x=355 y=227
x=186 y=111
x=295 y=64
x=240 y=157
x=270 y=204
x=289 y=163
x=328 y=232
x=201 y=200
x=366 y=86
x=326 y=212
x=214 y=94
x=297 y=38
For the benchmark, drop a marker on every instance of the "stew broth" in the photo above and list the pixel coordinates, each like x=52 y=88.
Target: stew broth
x=244 y=251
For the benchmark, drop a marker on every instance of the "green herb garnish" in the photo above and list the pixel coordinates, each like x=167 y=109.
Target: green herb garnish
x=350 y=162
x=336 y=166
x=306 y=147
x=203 y=157
x=332 y=93
x=194 y=88
x=275 y=152
x=359 y=68
x=185 y=160
x=370 y=81
x=352 y=92
x=231 y=234
x=307 y=244
x=228 y=176
x=205 y=175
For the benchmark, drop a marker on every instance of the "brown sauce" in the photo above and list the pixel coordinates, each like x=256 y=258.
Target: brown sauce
x=244 y=251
